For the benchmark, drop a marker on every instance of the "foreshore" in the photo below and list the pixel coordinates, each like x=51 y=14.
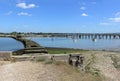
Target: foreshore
x=61 y=50
x=52 y=50
x=97 y=62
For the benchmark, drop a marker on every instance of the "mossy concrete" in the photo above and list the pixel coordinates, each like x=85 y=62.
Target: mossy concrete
x=29 y=46
x=26 y=42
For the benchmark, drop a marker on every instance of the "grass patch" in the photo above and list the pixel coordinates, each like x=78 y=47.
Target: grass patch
x=40 y=59
x=64 y=50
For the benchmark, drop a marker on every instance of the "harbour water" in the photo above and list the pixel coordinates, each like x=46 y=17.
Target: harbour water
x=9 y=44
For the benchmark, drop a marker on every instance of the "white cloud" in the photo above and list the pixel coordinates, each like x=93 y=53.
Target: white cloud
x=83 y=8
x=9 y=13
x=24 y=14
x=104 y=23
x=25 y=6
x=115 y=19
x=84 y=14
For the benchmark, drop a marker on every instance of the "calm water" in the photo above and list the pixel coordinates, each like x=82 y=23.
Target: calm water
x=8 y=44
x=80 y=43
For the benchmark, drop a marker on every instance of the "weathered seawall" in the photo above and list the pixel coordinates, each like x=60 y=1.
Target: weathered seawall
x=27 y=43
x=29 y=46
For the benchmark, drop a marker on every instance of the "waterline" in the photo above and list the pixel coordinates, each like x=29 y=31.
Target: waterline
x=9 y=44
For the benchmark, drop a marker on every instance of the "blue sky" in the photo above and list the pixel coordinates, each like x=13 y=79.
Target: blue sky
x=71 y=16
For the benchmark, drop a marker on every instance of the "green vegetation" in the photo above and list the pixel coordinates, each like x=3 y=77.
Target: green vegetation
x=116 y=61
x=14 y=33
x=64 y=50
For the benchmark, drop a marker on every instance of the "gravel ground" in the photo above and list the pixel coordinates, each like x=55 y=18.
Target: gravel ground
x=28 y=71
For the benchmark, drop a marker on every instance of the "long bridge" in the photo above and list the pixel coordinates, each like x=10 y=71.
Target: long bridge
x=95 y=35
x=71 y=35
x=86 y=35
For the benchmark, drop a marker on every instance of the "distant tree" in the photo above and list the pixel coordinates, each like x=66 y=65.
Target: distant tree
x=14 y=33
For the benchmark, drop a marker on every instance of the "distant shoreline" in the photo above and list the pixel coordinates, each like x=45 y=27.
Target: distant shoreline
x=5 y=51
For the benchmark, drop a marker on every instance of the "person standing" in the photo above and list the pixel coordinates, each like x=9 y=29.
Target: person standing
x=70 y=60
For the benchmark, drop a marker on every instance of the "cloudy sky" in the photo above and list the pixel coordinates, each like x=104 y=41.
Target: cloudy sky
x=77 y=16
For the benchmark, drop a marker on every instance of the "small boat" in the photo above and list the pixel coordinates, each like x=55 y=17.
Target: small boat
x=75 y=40
x=94 y=40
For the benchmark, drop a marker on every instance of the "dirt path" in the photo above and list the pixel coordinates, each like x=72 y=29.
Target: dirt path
x=31 y=71
x=28 y=72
